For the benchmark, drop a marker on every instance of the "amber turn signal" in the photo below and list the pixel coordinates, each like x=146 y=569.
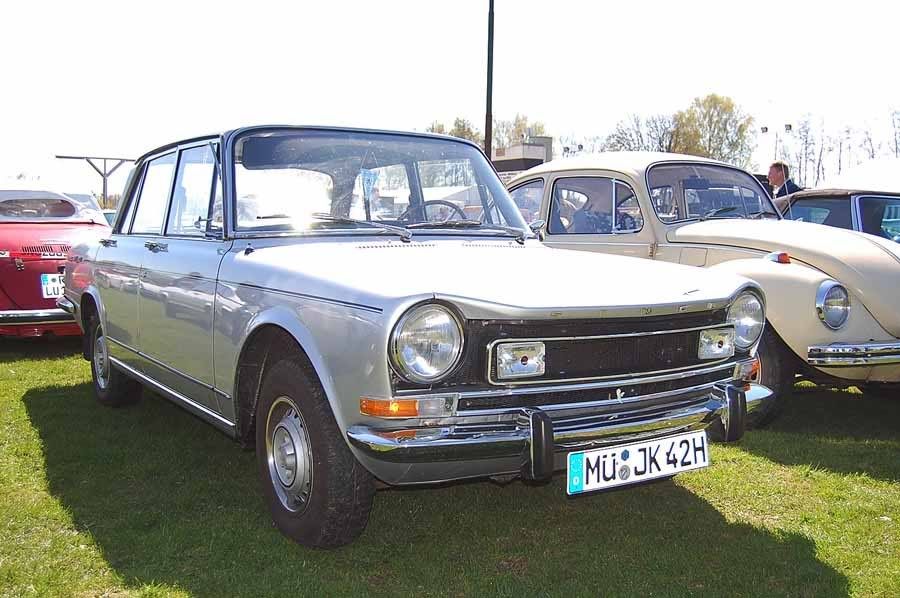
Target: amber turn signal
x=779 y=257
x=389 y=407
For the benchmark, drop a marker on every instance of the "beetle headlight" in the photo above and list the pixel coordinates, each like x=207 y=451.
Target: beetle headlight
x=426 y=343
x=747 y=316
x=833 y=304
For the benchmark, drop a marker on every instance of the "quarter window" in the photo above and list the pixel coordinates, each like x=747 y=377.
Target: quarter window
x=151 y=207
x=593 y=206
x=189 y=210
x=881 y=217
x=528 y=199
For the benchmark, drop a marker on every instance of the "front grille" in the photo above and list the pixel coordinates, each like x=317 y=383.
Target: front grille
x=582 y=357
x=542 y=399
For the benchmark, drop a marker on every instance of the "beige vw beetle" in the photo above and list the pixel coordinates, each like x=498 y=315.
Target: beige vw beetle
x=834 y=295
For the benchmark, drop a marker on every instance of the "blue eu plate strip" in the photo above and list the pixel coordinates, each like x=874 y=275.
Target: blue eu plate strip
x=576 y=473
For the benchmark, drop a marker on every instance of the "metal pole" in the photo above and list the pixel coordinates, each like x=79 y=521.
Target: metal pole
x=105 y=179
x=488 y=118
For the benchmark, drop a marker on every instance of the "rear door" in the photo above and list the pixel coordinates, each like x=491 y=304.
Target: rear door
x=178 y=287
x=118 y=261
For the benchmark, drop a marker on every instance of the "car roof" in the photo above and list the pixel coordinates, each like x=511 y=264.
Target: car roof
x=249 y=129
x=835 y=193
x=634 y=163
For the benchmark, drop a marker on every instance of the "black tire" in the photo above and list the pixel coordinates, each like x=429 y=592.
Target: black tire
x=112 y=388
x=881 y=390
x=776 y=372
x=338 y=490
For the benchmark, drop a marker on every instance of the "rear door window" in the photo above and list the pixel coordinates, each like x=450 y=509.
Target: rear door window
x=154 y=196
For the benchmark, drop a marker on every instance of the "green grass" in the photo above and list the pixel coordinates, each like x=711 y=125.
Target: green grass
x=150 y=501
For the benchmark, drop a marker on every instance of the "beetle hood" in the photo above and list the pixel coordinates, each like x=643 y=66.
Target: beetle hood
x=869 y=267
x=494 y=278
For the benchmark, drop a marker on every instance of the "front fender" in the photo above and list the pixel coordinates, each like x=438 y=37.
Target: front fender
x=791 y=304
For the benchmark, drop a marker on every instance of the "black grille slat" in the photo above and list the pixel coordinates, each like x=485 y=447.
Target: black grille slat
x=39 y=249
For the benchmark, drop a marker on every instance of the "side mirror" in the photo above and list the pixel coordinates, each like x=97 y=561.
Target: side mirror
x=537 y=227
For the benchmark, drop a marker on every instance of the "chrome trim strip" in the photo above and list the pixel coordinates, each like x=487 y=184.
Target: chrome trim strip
x=24 y=317
x=500 y=392
x=65 y=304
x=854 y=354
x=170 y=369
x=175 y=396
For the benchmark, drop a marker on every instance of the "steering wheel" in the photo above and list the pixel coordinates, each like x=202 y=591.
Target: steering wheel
x=626 y=222
x=421 y=208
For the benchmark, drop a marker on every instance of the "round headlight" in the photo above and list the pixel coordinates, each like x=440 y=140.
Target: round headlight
x=833 y=304
x=747 y=316
x=426 y=343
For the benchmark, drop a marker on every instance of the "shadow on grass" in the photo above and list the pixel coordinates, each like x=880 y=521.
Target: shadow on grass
x=839 y=431
x=46 y=347
x=171 y=501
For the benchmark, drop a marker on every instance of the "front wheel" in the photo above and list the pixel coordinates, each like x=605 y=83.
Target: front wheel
x=111 y=387
x=319 y=495
x=776 y=374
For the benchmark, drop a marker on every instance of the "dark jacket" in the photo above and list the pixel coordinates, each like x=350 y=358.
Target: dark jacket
x=788 y=188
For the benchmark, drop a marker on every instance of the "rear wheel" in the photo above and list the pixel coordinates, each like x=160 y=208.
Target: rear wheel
x=775 y=373
x=111 y=387
x=319 y=495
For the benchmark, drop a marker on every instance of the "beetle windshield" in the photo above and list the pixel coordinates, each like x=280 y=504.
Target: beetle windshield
x=700 y=191
x=305 y=180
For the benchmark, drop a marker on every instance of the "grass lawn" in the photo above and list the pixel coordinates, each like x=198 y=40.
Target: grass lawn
x=150 y=501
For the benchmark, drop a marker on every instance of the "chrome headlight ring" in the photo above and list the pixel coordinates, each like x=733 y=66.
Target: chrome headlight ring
x=426 y=343
x=748 y=316
x=833 y=304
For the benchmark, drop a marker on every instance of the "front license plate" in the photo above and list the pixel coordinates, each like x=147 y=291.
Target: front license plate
x=52 y=286
x=633 y=463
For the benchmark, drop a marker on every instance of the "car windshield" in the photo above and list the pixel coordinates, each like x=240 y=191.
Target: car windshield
x=32 y=207
x=331 y=180
x=699 y=191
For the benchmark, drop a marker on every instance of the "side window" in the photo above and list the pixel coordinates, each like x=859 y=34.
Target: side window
x=151 y=206
x=582 y=205
x=130 y=202
x=881 y=217
x=628 y=211
x=189 y=210
x=528 y=199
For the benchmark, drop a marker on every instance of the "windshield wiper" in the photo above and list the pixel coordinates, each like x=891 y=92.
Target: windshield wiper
x=517 y=232
x=717 y=211
x=404 y=234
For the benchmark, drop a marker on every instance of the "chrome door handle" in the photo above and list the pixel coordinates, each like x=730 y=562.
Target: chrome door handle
x=156 y=247
x=108 y=242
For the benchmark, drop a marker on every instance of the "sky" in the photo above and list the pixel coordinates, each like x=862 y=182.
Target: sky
x=120 y=78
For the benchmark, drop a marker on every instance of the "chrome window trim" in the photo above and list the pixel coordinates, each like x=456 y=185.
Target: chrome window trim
x=512 y=382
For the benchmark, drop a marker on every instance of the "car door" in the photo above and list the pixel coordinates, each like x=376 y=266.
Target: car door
x=178 y=287
x=596 y=213
x=119 y=258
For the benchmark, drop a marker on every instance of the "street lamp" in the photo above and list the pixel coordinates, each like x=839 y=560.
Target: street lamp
x=488 y=118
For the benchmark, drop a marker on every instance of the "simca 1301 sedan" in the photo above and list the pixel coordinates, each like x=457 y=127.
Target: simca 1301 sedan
x=832 y=293
x=367 y=306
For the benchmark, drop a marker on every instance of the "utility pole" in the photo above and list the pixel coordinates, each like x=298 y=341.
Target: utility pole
x=105 y=172
x=488 y=117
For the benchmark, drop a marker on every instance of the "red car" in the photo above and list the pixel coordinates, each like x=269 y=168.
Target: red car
x=37 y=228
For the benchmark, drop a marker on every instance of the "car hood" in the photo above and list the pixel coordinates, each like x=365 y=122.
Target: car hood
x=869 y=267
x=490 y=277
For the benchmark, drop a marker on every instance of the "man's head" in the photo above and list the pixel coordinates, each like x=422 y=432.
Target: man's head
x=600 y=201
x=779 y=172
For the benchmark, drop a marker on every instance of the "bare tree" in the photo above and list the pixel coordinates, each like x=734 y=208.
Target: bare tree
x=895 y=123
x=867 y=144
x=652 y=134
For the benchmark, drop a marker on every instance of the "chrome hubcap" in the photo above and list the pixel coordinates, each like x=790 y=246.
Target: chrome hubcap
x=289 y=455
x=101 y=361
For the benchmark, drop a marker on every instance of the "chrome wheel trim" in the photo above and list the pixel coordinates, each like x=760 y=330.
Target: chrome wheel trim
x=101 y=361
x=289 y=455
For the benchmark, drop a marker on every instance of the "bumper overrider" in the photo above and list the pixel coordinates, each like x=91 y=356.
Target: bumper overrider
x=533 y=442
x=854 y=354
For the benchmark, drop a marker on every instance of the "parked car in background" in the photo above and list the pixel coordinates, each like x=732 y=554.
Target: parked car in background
x=37 y=228
x=832 y=293
x=875 y=213
x=254 y=280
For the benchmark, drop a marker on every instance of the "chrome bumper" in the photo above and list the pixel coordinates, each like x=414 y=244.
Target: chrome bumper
x=539 y=439
x=25 y=317
x=854 y=354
